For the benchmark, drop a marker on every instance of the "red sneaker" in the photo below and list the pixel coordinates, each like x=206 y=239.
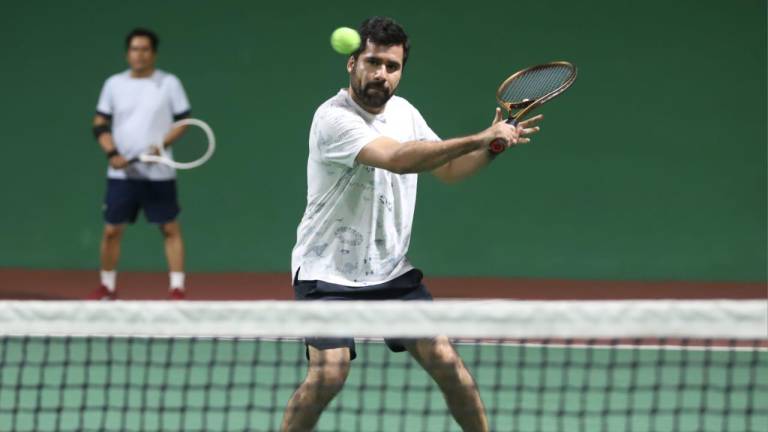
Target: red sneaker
x=176 y=294
x=102 y=293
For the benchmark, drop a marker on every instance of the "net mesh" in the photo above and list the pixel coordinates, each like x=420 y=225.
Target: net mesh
x=61 y=375
x=536 y=83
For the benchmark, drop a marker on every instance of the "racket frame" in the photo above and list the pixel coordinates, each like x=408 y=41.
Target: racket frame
x=526 y=106
x=165 y=159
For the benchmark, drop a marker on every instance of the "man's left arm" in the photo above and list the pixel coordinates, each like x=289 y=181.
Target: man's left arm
x=173 y=135
x=181 y=110
x=467 y=165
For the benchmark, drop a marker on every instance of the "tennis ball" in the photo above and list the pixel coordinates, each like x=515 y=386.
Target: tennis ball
x=345 y=40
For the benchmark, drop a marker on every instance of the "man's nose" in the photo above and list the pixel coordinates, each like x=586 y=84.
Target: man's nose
x=380 y=72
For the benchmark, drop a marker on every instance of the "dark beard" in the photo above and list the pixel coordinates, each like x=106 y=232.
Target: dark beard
x=373 y=94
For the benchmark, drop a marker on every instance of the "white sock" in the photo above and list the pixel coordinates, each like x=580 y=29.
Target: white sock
x=177 y=280
x=109 y=279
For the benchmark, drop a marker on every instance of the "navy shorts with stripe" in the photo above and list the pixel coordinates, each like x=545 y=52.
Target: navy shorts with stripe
x=408 y=286
x=124 y=199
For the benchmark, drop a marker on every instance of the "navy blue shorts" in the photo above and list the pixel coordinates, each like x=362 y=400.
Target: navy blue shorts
x=125 y=198
x=405 y=287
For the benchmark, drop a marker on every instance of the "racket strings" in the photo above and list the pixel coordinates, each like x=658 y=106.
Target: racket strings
x=536 y=83
x=191 y=146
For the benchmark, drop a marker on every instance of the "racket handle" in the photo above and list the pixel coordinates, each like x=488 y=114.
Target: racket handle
x=144 y=157
x=498 y=145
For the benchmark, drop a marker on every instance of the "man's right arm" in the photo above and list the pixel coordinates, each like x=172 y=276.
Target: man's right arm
x=421 y=156
x=103 y=133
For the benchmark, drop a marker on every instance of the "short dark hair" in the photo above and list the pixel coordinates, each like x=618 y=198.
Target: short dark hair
x=382 y=31
x=145 y=33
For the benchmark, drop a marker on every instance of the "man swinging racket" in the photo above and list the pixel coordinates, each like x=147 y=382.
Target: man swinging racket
x=366 y=148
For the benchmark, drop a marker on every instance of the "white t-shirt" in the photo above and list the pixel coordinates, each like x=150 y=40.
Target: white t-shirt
x=356 y=228
x=142 y=111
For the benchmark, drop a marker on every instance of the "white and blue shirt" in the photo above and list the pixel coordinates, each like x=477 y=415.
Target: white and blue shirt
x=142 y=112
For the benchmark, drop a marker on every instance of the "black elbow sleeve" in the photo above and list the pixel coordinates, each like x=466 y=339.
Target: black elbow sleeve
x=182 y=115
x=101 y=129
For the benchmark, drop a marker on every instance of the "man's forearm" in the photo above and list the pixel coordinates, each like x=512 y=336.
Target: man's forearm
x=173 y=135
x=464 y=166
x=106 y=143
x=420 y=156
x=102 y=130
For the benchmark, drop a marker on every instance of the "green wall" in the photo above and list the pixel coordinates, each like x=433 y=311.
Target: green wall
x=652 y=167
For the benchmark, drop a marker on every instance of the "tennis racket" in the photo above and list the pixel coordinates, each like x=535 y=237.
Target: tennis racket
x=530 y=88
x=192 y=149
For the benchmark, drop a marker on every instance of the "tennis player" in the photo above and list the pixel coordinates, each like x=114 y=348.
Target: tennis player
x=135 y=110
x=366 y=148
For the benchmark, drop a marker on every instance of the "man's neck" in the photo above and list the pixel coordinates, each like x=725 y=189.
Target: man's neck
x=144 y=73
x=362 y=105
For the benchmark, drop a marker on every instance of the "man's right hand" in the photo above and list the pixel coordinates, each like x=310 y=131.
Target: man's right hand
x=500 y=129
x=118 y=162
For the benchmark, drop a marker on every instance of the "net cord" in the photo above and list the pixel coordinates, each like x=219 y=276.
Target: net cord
x=732 y=319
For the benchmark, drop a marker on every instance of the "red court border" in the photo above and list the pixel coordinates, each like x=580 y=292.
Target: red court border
x=30 y=284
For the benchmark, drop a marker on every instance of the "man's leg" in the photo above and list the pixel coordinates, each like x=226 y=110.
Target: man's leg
x=121 y=206
x=110 y=246
x=110 y=255
x=161 y=205
x=438 y=357
x=328 y=369
x=174 y=252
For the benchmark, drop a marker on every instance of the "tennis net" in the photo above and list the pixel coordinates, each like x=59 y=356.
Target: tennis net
x=233 y=366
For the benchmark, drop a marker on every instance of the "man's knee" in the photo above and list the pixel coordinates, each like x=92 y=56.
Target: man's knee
x=448 y=369
x=328 y=370
x=113 y=232
x=170 y=229
x=441 y=359
x=328 y=379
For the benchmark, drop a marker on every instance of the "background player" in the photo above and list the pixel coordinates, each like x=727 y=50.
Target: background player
x=135 y=110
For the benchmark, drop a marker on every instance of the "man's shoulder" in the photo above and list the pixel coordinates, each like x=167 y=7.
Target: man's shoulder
x=336 y=107
x=162 y=76
x=337 y=102
x=118 y=77
x=401 y=103
x=404 y=111
x=399 y=100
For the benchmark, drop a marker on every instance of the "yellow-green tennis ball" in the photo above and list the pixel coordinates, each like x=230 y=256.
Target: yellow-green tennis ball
x=345 y=40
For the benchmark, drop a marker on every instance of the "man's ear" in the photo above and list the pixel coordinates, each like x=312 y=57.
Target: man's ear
x=350 y=64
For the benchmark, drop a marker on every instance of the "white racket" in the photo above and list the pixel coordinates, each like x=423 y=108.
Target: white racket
x=195 y=146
